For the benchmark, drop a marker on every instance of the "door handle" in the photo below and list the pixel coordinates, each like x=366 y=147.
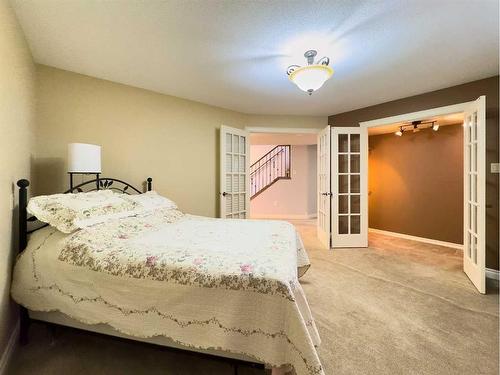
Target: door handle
x=224 y=194
x=327 y=194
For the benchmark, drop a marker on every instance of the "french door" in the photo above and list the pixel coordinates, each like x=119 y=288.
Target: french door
x=475 y=193
x=324 y=189
x=234 y=169
x=349 y=185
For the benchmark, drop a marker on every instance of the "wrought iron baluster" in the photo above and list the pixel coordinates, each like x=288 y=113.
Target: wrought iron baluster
x=271 y=167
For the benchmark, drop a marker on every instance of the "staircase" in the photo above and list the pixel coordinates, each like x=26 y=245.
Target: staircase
x=273 y=166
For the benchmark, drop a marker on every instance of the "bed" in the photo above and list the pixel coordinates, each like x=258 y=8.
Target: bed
x=222 y=287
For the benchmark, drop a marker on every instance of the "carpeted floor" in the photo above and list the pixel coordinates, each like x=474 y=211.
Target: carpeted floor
x=397 y=307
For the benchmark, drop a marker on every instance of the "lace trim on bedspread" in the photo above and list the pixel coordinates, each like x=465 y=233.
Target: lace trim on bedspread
x=184 y=323
x=312 y=369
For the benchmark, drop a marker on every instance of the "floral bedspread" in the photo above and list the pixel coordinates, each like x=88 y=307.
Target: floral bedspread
x=205 y=283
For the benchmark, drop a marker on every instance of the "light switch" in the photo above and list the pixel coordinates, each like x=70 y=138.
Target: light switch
x=495 y=167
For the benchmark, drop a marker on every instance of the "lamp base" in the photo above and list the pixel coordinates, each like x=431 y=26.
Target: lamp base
x=85 y=173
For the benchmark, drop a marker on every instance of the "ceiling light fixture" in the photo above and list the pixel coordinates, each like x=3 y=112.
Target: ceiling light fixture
x=416 y=126
x=311 y=77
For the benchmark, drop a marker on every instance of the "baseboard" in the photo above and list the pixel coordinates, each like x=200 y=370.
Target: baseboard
x=419 y=239
x=284 y=217
x=9 y=350
x=492 y=274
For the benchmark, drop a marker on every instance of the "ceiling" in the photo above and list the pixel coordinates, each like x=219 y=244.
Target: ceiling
x=452 y=119
x=233 y=54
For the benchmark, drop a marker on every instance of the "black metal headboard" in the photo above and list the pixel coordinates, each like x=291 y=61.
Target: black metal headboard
x=91 y=185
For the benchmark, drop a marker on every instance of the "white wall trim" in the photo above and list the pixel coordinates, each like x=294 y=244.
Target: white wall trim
x=264 y=129
x=9 y=350
x=492 y=274
x=419 y=239
x=414 y=116
x=285 y=217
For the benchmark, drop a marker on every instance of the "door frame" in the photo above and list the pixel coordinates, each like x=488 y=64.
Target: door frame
x=278 y=130
x=422 y=115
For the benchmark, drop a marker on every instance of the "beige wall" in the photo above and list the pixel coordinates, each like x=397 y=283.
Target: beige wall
x=16 y=137
x=416 y=183
x=280 y=121
x=142 y=134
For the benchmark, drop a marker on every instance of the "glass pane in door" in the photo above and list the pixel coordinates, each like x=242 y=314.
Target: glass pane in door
x=355 y=143
x=343 y=204
x=343 y=163
x=343 y=143
x=343 y=184
x=355 y=224
x=355 y=204
x=343 y=224
x=354 y=163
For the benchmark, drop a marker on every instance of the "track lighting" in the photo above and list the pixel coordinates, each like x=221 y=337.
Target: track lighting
x=416 y=126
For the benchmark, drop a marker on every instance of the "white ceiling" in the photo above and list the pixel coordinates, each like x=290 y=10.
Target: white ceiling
x=452 y=119
x=233 y=54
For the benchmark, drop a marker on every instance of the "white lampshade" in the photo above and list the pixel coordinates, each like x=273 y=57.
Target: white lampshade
x=84 y=158
x=311 y=77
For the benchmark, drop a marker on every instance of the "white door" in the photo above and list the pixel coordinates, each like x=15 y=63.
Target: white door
x=324 y=192
x=234 y=167
x=349 y=187
x=475 y=193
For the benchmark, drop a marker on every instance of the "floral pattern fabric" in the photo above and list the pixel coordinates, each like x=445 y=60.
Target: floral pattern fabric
x=229 y=285
x=213 y=253
x=69 y=212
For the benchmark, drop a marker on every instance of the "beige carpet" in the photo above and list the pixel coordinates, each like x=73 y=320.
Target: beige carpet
x=398 y=307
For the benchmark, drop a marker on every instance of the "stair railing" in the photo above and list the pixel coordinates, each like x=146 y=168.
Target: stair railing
x=273 y=166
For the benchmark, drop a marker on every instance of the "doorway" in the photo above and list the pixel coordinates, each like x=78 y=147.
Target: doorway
x=282 y=174
x=339 y=177
x=474 y=177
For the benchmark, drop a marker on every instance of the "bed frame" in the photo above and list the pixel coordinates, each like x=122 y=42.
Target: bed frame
x=57 y=318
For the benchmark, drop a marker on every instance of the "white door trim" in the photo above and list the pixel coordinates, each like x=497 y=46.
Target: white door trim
x=440 y=111
x=418 y=115
x=264 y=129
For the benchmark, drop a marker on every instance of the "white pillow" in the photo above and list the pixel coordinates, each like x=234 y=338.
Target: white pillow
x=151 y=201
x=69 y=212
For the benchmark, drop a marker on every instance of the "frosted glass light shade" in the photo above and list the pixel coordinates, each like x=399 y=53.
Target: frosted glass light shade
x=311 y=77
x=84 y=158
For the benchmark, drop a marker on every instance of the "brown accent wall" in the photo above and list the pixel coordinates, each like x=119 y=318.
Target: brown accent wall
x=451 y=95
x=415 y=183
